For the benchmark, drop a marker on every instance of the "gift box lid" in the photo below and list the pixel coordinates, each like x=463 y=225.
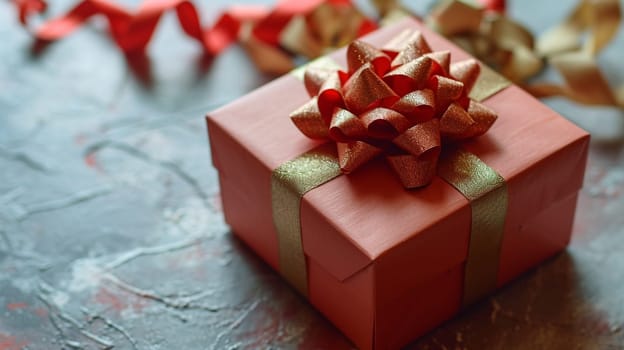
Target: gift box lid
x=366 y=216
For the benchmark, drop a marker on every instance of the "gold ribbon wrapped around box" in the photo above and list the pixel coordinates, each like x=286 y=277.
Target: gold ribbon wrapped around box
x=481 y=185
x=289 y=183
x=487 y=193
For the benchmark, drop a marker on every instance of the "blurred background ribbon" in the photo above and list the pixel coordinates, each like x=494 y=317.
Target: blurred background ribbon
x=275 y=37
x=271 y=36
x=570 y=47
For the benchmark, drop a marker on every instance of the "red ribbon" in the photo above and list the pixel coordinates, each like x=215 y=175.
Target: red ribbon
x=27 y=8
x=133 y=31
x=404 y=103
x=494 y=5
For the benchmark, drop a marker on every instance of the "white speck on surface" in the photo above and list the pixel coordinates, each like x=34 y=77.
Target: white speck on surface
x=85 y=274
x=59 y=298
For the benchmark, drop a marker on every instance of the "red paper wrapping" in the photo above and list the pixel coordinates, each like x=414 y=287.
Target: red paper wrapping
x=386 y=264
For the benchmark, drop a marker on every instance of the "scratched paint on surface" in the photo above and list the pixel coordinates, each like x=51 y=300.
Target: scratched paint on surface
x=111 y=234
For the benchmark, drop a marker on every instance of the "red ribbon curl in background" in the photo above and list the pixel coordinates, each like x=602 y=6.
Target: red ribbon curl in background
x=133 y=31
x=404 y=102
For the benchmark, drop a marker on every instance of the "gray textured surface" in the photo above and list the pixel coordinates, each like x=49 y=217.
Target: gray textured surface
x=111 y=234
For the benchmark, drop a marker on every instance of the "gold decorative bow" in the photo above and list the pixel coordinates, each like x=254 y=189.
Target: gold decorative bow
x=403 y=103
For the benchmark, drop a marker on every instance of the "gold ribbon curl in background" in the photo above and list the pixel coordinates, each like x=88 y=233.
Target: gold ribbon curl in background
x=310 y=35
x=570 y=47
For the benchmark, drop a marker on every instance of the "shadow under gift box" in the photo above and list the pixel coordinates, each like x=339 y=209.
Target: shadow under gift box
x=386 y=264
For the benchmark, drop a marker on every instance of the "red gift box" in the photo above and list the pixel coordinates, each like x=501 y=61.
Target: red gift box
x=383 y=263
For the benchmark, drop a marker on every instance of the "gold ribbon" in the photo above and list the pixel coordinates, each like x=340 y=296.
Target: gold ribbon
x=310 y=34
x=488 y=84
x=289 y=182
x=486 y=191
x=570 y=47
x=481 y=185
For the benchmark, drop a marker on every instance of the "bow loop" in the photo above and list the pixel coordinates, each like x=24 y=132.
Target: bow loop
x=456 y=122
x=467 y=72
x=384 y=123
x=483 y=116
x=354 y=154
x=410 y=76
x=408 y=48
x=309 y=120
x=366 y=90
x=420 y=138
x=346 y=126
x=314 y=77
x=442 y=62
x=403 y=101
x=446 y=91
x=360 y=53
x=414 y=171
x=417 y=106
x=330 y=96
